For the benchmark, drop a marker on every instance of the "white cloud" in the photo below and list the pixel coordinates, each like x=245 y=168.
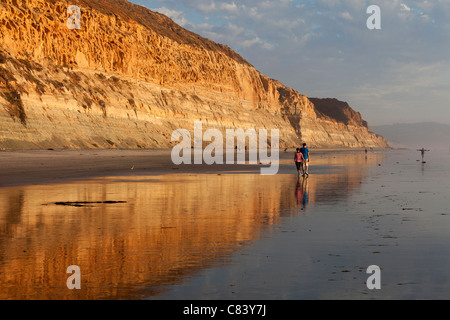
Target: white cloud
x=346 y=15
x=404 y=7
x=250 y=42
x=268 y=46
x=177 y=16
x=254 y=13
x=229 y=7
x=207 y=7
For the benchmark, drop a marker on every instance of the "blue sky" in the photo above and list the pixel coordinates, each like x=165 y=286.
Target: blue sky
x=323 y=48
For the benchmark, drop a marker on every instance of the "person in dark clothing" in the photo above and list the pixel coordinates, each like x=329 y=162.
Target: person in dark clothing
x=305 y=152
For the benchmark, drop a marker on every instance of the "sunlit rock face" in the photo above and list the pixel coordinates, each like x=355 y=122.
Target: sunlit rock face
x=128 y=77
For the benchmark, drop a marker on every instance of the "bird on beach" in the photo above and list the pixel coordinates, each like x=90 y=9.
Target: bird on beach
x=132 y=167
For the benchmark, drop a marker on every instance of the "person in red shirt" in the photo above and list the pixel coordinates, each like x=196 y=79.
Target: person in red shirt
x=298 y=159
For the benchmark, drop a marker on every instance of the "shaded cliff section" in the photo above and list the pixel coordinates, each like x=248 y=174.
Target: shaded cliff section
x=129 y=77
x=338 y=110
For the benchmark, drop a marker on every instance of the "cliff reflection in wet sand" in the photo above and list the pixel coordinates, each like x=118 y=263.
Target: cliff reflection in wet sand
x=163 y=230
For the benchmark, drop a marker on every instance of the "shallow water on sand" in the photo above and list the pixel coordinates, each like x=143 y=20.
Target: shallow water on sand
x=236 y=236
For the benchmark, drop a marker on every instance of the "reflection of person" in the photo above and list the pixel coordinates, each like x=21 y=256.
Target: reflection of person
x=422 y=151
x=298 y=158
x=301 y=191
x=305 y=151
x=305 y=199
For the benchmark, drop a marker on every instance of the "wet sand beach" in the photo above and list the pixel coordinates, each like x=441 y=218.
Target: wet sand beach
x=156 y=232
x=28 y=167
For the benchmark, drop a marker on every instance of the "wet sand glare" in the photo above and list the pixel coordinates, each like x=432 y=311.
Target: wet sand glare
x=235 y=235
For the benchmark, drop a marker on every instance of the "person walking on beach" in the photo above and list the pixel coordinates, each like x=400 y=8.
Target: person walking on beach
x=298 y=159
x=422 y=151
x=305 y=152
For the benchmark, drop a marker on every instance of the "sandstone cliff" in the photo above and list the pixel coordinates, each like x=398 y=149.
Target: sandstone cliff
x=129 y=77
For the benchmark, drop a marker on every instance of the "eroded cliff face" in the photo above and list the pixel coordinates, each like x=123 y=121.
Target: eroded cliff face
x=129 y=77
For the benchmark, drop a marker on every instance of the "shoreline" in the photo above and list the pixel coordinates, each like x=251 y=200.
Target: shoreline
x=40 y=167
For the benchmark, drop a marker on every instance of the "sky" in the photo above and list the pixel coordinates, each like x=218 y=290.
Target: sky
x=324 y=48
